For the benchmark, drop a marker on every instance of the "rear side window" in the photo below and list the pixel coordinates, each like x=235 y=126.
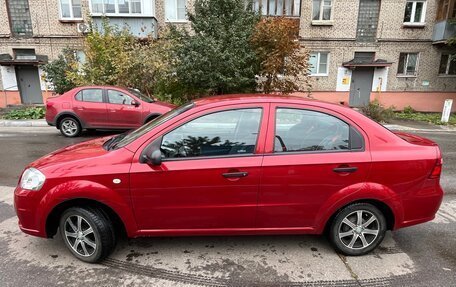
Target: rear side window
x=305 y=130
x=231 y=132
x=90 y=95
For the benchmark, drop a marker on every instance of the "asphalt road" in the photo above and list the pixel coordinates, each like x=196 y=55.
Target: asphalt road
x=423 y=255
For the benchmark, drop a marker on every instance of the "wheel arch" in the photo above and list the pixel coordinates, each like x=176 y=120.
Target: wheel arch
x=52 y=220
x=382 y=197
x=62 y=115
x=384 y=208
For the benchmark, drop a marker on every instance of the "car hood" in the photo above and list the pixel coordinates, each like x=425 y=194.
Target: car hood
x=89 y=149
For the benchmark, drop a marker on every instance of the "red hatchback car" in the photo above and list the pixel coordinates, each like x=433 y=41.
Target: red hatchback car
x=101 y=107
x=235 y=165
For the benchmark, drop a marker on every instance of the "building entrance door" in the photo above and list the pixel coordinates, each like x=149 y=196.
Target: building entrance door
x=361 y=86
x=28 y=82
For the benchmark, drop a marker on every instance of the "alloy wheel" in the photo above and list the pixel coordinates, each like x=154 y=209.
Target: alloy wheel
x=69 y=127
x=359 y=229
x=80 y=235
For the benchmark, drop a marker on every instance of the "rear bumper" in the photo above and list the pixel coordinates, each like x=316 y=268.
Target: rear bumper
x=421 y=207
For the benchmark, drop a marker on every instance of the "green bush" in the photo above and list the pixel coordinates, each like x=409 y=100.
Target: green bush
x=433 y=118
x=376 y=111
x=31 y=113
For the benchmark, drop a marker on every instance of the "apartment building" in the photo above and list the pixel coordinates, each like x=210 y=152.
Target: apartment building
x=393 y=50
x=34 y=32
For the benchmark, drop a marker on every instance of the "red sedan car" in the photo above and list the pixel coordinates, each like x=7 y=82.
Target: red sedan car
x=101 y=107
x=235 y=165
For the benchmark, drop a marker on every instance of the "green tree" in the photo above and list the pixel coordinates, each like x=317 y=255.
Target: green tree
x=106 y=50
x=216 y=57
x=283 y=62
x=58 y=70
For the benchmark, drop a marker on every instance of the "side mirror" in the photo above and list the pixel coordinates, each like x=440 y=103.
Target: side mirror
x=155 y=158
x=135 y=103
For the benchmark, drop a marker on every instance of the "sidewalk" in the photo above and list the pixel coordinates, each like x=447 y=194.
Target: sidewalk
x=23 y=123
x=404 y=125
x=398 y=125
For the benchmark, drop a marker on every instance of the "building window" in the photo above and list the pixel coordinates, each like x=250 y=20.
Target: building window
x=321 y=10
x=175 y=10
x=415 y=12
x=277 y=7
x=408 y=64
x=120 y=7
x=319 y=63
x=447 y=64
x=21 y=22
x=70 y=9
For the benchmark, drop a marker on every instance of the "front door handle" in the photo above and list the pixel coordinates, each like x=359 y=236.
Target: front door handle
x=345 y=169
x=235 y=174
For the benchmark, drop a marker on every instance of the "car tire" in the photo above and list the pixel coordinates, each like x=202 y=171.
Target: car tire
x=357 y=229
x=70 y=127
x=87 y=233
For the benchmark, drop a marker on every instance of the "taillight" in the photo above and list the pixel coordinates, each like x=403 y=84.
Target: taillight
x=437 y=169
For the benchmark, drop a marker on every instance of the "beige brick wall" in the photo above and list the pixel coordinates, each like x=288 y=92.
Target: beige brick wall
x=160 y=14
x=345 y=16
x=428 y=65
x=391 y=18
x=4 y=24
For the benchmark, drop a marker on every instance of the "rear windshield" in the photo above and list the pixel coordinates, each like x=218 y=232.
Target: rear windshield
x=130 y=137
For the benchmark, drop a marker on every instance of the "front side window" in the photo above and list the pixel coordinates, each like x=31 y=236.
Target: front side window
x=408 y=64
x=277 y=7
x=70 y=9
x=319 y=63
x=231 y=132
x=305 y=130
x=116 y=6
x=321 y=10
x=415 y=12
x=116 y=97
x=175 y=10
x=447 y=64
x=90 y=95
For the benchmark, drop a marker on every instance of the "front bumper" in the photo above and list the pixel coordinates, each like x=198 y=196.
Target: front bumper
x=26 y=203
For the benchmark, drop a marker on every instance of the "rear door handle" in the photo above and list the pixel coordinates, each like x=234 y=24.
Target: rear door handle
x=235 y=174
x=345 y=169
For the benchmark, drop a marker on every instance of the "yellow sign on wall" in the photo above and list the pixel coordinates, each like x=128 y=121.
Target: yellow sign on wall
x=345 y=80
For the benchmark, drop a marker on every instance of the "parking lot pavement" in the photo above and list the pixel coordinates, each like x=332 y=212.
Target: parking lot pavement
x=424 y=255
x=219 y=261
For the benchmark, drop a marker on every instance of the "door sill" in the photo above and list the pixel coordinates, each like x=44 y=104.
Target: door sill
x=224 y=231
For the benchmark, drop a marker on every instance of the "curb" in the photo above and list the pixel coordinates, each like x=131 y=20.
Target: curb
x=23 y=123
x=412 y=129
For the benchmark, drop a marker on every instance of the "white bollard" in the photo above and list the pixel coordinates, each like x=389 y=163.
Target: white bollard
x=446 y=111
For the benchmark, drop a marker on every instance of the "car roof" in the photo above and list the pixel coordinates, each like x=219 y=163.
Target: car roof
x=262 y=98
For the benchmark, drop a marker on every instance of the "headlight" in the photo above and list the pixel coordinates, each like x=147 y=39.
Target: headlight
x=32 y=179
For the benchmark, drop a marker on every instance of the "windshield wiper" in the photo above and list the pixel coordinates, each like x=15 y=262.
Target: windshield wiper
x=112 y=142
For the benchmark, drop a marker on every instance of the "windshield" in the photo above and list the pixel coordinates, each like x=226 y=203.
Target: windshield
x=140 y=95
x=125 y=139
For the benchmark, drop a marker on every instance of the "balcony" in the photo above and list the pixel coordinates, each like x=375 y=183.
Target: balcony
x=141 y=27
x=443 y=30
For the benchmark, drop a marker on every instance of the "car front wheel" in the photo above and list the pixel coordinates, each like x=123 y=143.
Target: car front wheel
x=357 y=229
x=70 y=127
x=87 y=233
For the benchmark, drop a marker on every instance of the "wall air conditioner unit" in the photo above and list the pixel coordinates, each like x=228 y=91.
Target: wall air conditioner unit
x=83 y=28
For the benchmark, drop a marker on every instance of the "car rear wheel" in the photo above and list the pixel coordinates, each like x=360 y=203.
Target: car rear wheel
x=70 y=127
x=357 y=229
x=87 y=233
